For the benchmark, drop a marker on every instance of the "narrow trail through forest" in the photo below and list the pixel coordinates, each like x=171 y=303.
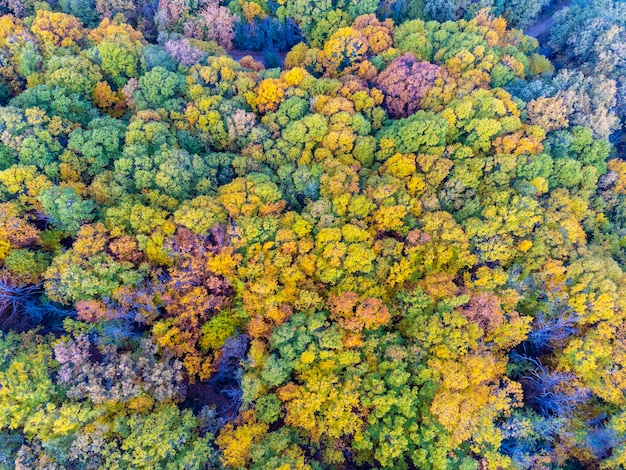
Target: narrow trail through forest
x=541 y=29
x=239 y=54
x=259 y=56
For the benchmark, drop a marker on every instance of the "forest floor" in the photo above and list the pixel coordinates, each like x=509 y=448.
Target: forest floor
x=541 y=29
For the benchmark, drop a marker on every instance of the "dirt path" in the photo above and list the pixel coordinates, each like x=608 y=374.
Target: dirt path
x=237 y=54
x=541 y=29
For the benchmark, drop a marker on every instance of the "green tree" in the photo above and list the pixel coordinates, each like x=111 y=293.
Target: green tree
x=66 y=209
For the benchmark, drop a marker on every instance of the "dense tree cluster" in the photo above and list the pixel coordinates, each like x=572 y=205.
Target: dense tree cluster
x=403 y=248
x=599 y=56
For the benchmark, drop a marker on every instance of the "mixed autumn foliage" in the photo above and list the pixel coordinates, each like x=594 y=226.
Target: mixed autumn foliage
x=398 y=245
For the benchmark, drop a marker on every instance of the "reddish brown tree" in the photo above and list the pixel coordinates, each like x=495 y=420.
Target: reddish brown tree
x=484 y=309
x=405 y=82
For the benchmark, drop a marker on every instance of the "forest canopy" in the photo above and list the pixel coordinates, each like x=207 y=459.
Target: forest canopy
x=312 y=234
